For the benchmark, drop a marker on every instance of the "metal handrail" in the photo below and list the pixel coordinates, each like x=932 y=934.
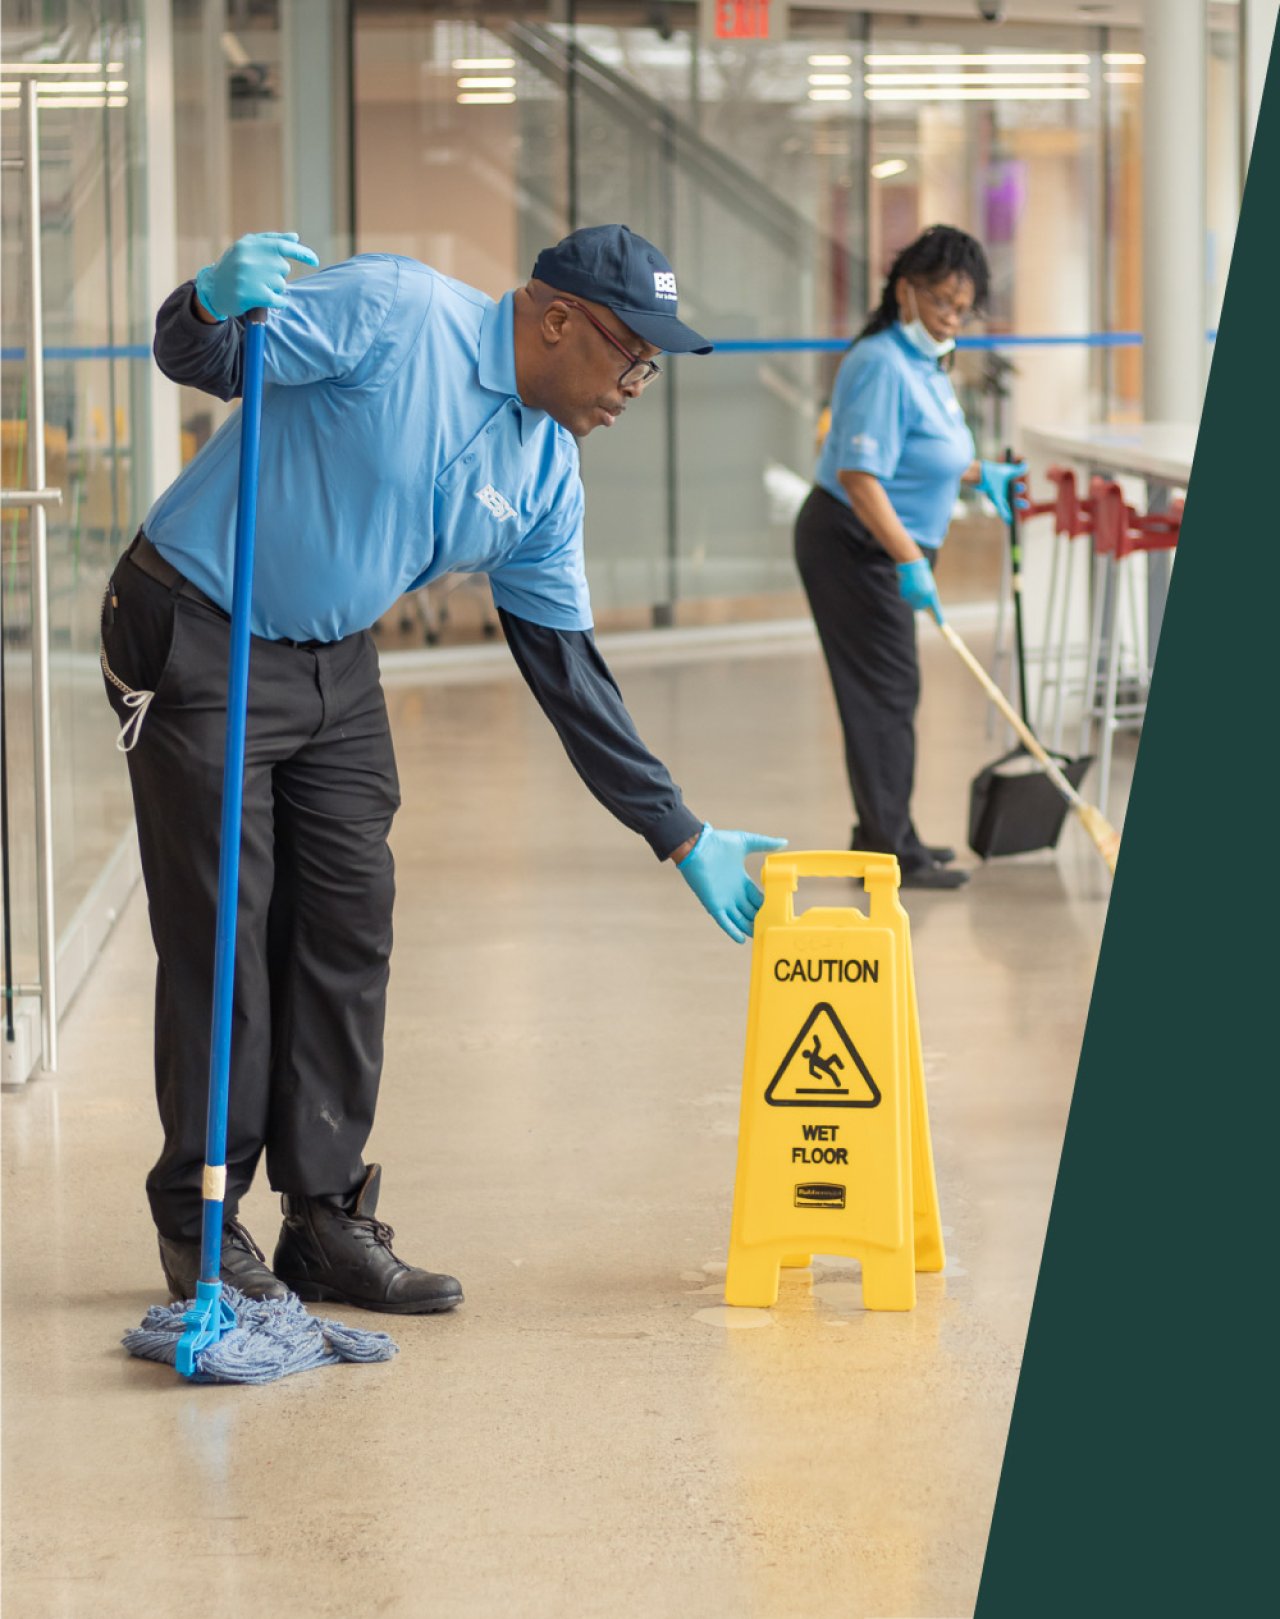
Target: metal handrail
x=29 y=497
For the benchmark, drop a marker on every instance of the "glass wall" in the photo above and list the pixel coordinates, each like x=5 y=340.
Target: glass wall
x=780 y=178
x=260 y=124
x=88 y=61
x=1001 y=134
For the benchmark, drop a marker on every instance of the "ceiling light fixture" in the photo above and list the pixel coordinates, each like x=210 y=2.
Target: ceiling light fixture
x=8 y=103
x=996 y=93
x=976 y=78
x=985 y=59
x=26 y=69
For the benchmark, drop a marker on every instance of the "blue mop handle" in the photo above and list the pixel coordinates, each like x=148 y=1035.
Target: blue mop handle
x=224 y=972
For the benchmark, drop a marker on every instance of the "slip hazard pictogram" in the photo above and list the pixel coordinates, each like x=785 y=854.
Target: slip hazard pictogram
x=822 y=1068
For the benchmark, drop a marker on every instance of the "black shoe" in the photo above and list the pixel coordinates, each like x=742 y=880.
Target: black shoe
x=333 y=1248
x=244 y=1265
x=942 y=854
x=934 y=877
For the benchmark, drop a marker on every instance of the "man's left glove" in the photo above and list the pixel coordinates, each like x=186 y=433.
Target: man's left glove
x=994 y=480
x=713 y=869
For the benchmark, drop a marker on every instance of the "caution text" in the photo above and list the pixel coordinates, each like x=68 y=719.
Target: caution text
x=826 y=971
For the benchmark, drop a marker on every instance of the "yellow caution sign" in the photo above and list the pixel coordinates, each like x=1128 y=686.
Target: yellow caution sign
x=834 y=1154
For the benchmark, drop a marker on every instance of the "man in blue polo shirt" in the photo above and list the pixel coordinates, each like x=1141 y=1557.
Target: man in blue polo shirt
x=411 y=427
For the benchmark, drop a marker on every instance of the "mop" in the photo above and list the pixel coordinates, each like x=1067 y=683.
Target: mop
x=1104 y=836
x=221 y=1336
x=1011 y=812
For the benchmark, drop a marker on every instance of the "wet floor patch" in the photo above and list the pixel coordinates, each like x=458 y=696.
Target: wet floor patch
x=733 y=1316
x=839 y=1300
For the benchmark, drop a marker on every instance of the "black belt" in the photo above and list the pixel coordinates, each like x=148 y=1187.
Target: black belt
x=148 y=560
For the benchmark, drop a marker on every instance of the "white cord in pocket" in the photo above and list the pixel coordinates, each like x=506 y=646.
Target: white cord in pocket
x=138 y=701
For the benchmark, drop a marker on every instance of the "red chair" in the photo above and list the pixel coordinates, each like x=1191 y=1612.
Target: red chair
x=1119 y=532
x=1072 y=519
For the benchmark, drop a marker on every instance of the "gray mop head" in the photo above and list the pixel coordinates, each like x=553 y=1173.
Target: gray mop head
x=271 y=1338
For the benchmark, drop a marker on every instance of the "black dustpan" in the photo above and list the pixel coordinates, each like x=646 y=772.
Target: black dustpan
x=1013 y=806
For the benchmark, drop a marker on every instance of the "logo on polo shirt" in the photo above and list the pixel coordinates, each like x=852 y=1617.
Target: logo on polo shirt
x=664 y=284
x=498 y=504
x=864 y=441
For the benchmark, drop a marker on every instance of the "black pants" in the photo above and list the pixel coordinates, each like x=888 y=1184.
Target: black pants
x=313 y=941
x=868 y=636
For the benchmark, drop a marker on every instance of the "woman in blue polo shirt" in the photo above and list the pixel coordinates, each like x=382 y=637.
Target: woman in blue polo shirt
x=896 y=454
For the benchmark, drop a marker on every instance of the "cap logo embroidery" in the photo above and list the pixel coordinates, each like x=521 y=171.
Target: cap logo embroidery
x=498 y=504
x=664 y=284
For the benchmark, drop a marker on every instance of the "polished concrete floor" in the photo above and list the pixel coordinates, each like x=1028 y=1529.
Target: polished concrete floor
x=592 y=1433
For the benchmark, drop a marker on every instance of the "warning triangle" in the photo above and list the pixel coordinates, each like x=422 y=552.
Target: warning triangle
x=823 y=1068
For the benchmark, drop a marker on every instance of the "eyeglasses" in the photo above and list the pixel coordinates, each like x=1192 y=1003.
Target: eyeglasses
x=638 y=370
x=962 y=314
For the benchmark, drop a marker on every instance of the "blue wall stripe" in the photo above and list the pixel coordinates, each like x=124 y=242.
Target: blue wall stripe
x=832 y=345
x=120 y=351
x=763 y=345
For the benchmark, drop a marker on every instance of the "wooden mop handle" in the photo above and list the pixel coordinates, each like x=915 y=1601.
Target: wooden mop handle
x=1025 y=736
x=1104 y=835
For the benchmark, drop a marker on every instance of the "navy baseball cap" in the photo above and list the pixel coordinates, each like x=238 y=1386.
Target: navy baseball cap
x=613 y=266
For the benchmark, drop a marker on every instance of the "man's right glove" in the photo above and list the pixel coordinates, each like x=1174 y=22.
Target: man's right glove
x=917 y=589
x=713 y=868
x=251 y=274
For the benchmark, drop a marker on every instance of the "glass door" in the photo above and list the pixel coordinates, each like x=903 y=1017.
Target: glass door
x=86 y=65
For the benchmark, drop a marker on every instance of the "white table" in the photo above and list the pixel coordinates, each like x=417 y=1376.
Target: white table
x=1158 y=451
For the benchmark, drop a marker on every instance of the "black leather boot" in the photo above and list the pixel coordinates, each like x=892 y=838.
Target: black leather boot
x=244 y=1265
x=333 y=1248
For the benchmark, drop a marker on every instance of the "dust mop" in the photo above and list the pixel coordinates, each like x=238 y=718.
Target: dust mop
x=221 y=1336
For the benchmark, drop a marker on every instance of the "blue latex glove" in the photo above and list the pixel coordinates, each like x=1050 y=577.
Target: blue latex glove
x=917 y=589
x=713 y=869
x=994 y=481
x=251 y=274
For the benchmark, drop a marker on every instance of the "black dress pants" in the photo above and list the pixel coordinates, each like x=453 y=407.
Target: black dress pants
x=868 y=637
x=313 y=941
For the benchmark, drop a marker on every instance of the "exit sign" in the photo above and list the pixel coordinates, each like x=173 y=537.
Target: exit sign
x=744 y=19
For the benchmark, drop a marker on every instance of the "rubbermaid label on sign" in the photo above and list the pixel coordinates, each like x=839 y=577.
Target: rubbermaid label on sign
x=820 y=1195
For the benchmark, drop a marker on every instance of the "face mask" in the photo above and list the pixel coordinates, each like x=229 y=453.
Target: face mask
x=918 y=335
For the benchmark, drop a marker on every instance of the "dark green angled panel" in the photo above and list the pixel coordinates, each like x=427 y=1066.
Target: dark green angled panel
x=1139 y=1466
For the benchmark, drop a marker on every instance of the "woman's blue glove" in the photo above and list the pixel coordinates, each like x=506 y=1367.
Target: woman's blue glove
x=713 y=869
x=251 y=274
x=994 y=480
x=917 y=589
